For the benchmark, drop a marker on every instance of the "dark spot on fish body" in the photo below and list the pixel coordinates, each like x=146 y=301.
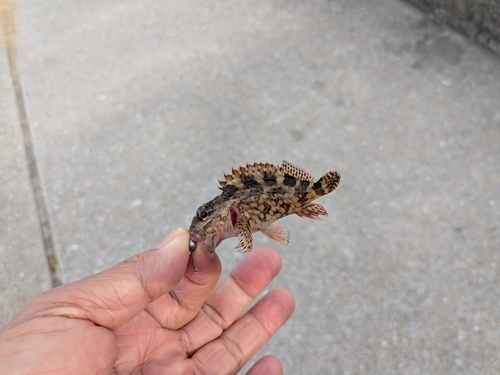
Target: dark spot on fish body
x=286 y=206
x=278 y=190
x=250 y=182
x=266 y=208
x=303 y=186
x=302 y=196
x=317 y=184
x=229 y=191
x=270 y=180
x=289 y=181
x=320 y=192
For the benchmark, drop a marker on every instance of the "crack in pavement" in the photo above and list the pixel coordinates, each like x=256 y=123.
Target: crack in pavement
x=7 y=29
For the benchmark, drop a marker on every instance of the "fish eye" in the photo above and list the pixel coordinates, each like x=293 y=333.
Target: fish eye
x=203 y=215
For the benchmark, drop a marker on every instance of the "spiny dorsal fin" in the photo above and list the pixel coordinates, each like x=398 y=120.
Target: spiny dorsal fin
x=256 y=171
x=295 y=171
x=261 y=170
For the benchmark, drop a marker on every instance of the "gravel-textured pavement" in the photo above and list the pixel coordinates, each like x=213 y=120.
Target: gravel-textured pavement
x=136 y=108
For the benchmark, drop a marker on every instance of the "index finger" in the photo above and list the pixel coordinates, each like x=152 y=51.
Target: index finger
x=183 y=303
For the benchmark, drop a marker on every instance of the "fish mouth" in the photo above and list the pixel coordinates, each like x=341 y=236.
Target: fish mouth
x=197 y=235
x=210 y=241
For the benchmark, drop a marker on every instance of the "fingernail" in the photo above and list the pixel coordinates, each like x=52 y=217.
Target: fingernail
x=176 y=232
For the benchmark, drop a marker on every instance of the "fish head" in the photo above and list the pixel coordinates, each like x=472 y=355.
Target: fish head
x=213 y=222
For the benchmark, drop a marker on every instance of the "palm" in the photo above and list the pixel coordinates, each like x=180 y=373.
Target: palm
x=144 y=346
x=150 y=314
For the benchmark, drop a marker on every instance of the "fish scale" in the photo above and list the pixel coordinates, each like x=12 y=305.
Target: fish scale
x=253 y=198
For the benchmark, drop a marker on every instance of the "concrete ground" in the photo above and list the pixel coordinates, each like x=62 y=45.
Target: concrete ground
x=479 y=20
x=136 y=108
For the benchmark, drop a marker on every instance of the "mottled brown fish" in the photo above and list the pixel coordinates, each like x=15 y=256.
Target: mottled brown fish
x=253 y=198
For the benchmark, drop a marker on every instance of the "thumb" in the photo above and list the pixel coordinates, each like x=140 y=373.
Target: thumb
x=113 y=297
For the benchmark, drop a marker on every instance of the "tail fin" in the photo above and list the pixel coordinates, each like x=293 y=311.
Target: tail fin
x=327 y=183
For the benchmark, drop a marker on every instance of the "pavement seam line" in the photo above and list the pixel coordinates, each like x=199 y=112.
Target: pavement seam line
x=7 y=16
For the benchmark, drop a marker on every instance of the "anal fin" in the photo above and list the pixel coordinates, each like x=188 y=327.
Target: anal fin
x=278 y=233
x=312 y=211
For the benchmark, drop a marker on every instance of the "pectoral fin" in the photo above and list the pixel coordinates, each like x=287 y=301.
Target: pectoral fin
x=245 y=235
x=278 y=233
x=312 y=211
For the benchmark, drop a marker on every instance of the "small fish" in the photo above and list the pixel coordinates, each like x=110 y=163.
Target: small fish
x=253 y=198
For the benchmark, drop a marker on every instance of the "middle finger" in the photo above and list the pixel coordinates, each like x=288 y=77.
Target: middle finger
x=231 y=298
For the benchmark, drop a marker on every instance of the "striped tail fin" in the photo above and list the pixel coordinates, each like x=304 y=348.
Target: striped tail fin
x=327 y=183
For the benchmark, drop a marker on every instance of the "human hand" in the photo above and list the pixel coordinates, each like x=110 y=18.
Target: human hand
x=152 y=314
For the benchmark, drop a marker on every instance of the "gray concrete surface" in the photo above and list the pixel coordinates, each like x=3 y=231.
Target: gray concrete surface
x=479 y=20
x=23 y=266
x=137 y=108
